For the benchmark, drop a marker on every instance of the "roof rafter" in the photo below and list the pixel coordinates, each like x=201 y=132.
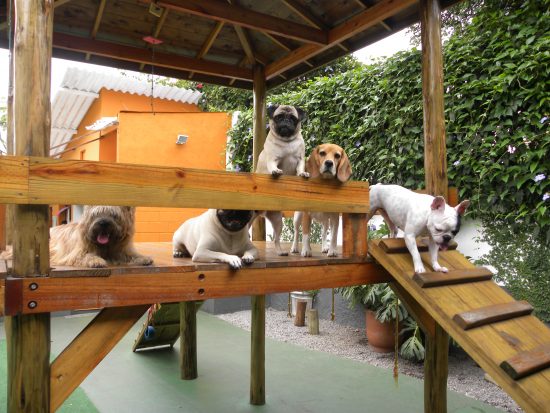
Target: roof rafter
x=138 y=55
x=356 y=24
x=208 y=42
x=97 y=22
x=158 y=28
x=244 y=17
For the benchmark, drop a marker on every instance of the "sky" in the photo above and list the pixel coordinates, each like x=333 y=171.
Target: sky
x=385 y=47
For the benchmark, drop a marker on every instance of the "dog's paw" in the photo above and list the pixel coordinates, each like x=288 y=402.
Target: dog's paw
x=306 y=252
x=248 y=259
x=325 y=250
x=332 y=253
x=439 y=268
x=304 y=174
x=234 y=262
x=294 y=250
x=178 y=254
x=143 y=260
x=419 y=269
x=277 y=172
x=95 y=262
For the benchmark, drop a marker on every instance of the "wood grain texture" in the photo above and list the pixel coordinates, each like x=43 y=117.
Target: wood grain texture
x=87 y=350
x=257 y=353
x=435 y=150
x=188 y=334
x=438 y=279
x=78 y=182
x=527 y=362
x=14 y=185
x=436 y=370
x=354 y=235
x=397 y=245
x=259 y=136
x=489 y=345
x=492 y=314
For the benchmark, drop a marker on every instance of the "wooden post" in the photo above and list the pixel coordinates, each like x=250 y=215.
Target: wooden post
x=300 y=317
x=28 y=336
x=257 y=355
x=188 y=340
x=354 y=235
x=435 y=165
x=10 y=145
x=435 y=151
x=257 y=368
x=313 y=321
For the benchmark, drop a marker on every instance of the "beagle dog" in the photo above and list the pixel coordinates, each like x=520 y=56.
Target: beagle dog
x=328 y=161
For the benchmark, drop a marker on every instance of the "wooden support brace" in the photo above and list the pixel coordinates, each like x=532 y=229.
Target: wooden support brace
x=397 y=245
x=527 y=362
x=188 y=342
x=491 y=314
x=355 y=235
x=87 y=350
x=438 y=279
x=436 y=370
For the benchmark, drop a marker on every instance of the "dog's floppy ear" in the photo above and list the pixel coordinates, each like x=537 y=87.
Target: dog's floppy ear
x=301 y=114
x=344 y=168
x=438 y=204
x=271 y=110
x=312 y=164
x=461 y=208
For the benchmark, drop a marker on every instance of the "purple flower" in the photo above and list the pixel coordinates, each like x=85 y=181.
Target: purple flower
x=544 y=119
x=357 y=144
x=456 y=163
x=511 y=149
x=238 y=168
x=539 y=177
x=546 y=196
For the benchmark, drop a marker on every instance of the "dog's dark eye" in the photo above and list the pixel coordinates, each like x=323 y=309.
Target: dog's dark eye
x=322 y=153
x=337 y=156
x=279 y=117
x=438 y=229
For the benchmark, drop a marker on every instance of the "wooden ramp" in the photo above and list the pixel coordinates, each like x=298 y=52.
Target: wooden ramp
x=499 y=333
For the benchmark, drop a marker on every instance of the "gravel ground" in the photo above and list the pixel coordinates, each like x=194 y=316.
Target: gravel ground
x=464 y=375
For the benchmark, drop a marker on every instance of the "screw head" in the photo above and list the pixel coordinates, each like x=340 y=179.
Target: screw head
x=32 y=305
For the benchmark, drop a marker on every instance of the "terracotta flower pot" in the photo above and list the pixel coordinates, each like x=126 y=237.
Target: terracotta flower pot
x=380 y=336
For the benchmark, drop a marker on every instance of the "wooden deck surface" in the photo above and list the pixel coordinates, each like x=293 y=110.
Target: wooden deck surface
x=489 y=345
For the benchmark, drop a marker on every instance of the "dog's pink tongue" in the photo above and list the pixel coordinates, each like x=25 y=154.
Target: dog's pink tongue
x=102 y=239
x=443 y=247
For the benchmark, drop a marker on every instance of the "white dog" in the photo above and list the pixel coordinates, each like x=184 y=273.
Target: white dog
x=217 y=235
x=330 y=162
x=418 y=214
x=283 y=154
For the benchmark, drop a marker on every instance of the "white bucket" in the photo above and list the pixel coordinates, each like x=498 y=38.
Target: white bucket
x=302 y=296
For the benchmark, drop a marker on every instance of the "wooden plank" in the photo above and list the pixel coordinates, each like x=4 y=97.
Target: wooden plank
x=397 y=245
x=87 y=350
x=143 y=55
x=53 y=181
x=244 y=17
x=2 y=227
x=355 y=235
x=14 y=186
x=28 y=336
x=188 y=333
x=488 y=346
x=59 y=294
x=362 y=21
x=527 y=362
x=492 y=314
x=166 y=327
x=435 y=150
x=438 y=279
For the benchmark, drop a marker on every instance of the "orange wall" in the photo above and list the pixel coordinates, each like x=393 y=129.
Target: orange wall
x=144 y=138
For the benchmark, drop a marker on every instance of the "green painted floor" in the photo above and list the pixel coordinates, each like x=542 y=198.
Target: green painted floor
x=297 y=380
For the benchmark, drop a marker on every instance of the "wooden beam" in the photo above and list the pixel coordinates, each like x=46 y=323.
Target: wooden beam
x=158 y=28
x=87 y=350
x=246 y=43
x=141 y=286
x=188 y=340
x=257 y=353
x=344 y=31
x=436 y=368
x=55 y=181
x=28 y=336
x=221 y=11
x=435 y=151
x=142 y=55
x=355 y=235
x=97 y=22
x=367 y=4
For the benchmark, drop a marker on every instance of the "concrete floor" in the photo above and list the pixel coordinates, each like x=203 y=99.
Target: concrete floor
x=297 y=380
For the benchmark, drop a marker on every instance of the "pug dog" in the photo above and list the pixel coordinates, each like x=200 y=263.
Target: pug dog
x=283 y=154
x=416 y=214
x=217 y=235
x=331 y=163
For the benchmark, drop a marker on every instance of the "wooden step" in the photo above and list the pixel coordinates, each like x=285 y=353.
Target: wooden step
x=492 y=313
x=527 y=362
x=438 y=279
x=397 y=245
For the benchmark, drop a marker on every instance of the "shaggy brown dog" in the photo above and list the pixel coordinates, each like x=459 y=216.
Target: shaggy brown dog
x=102 y=237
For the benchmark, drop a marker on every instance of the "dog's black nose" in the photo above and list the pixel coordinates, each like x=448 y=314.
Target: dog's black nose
x=447 y=238
x=103 y=222
x=328 y=164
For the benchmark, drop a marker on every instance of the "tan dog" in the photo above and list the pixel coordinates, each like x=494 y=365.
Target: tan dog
x=283 y=154
x=328 y=161
x=102 y=237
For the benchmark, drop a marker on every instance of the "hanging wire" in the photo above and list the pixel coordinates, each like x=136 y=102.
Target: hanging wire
x=152 y=79
x=396 y=350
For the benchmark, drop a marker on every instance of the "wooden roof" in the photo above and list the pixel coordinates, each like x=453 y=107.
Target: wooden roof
x=217 y=41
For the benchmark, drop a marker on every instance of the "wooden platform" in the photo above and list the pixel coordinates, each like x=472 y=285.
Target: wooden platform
x=179 y=279
x=488 y=344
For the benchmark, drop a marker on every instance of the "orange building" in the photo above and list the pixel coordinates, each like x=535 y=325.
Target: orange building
x=113 y=118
